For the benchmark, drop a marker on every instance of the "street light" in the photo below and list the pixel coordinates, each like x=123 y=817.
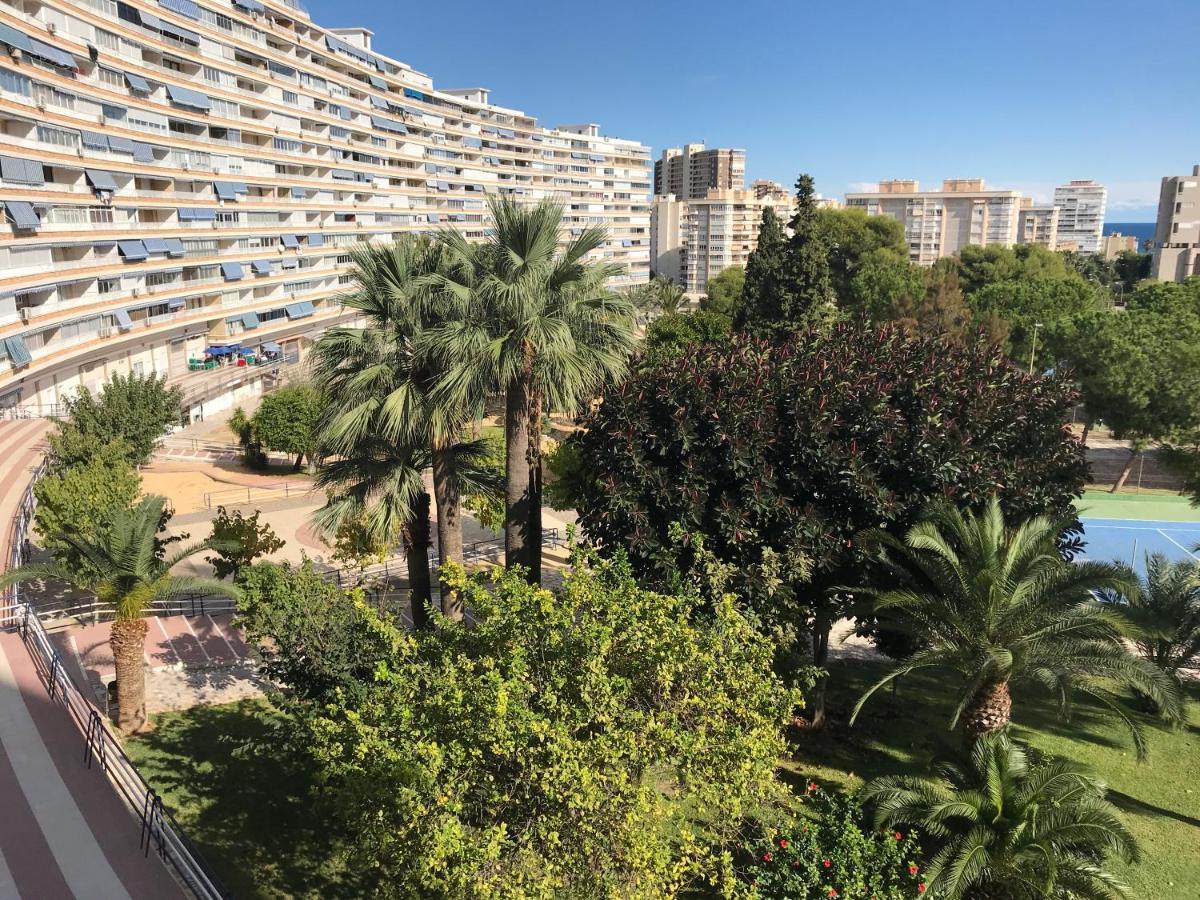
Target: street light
x=1033 y=349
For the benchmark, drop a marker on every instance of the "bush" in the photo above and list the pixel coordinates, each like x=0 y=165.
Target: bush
x=833 y=852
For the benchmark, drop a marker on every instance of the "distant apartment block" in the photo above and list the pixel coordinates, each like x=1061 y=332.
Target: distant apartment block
x=940 y=223
x=694 y=240
x=764 y=189
x=1037 y=224
x=1081 y=207
x=1113 y=245
x=1177 y=235
x=691 y=171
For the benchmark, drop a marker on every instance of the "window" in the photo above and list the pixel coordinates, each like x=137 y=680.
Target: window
x=108 y=285
x=291 y=98
x=106 y=40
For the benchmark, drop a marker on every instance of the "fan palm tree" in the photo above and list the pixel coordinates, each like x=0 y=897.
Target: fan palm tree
x=129 y=572
x=1007 y=829
x=538 y=324
x=659 y=296
x=1165 y=608
x=378 y=381
x=998 y=605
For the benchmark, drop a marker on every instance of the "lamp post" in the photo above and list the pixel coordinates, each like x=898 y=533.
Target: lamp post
x=1033 y=349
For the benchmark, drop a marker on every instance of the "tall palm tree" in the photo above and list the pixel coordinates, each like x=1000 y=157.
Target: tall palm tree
x=1165 y=607
x=538 y=324
x=379 y=383
x=1009 y=830
x=130 y=572
x=998 y=605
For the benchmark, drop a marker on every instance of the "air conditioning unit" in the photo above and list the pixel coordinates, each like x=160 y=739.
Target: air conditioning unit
x=26 y=313
x=51 y=27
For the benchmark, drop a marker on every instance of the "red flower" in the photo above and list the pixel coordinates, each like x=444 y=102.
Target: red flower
x=898 y=836
x=783 y=843
x=767 y=857
x=812 y=786
x=826 y=863
x=913 y=870
x=833 y=892
x=921 y=888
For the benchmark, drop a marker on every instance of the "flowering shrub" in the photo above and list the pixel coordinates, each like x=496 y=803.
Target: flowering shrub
x=833 y=853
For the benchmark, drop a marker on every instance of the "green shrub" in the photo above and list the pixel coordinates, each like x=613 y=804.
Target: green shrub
x=833 y=852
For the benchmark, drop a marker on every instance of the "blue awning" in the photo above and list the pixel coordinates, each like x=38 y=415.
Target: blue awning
x=14 y=38
x=143 y=152
x=281 y=69
x=21 y=214
x=232 y=271
x=94 y=140
x=316 y=239
x=21 y=171
x=18 y=353
x=174 y=246
x=123 y=320
x=223 y=349
x=52 y=55
x=154 y=245
x=120 y=145
x=271 y=347
x=290 y=262
x=175 y=31
x=413 y=93
x=183 y=7
x=300 y=310
x=388 y=125
x=133 y=251
x=228 y=190
x=137 y=83
x=195 y=214
x=249 y=5
x=289 y=240
x=261 y=266
x=249 y=320
x=100 y=181
x=189 y=98
x=377 y=82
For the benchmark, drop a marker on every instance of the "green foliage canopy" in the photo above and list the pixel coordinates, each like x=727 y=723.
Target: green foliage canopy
x=130 y=409
x=723 y=291
x=286 y=420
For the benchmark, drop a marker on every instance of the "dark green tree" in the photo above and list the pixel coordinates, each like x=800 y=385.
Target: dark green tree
x=788 y=290
x=781 y=456
x=854 y=239
x=670 y=334
x=1023 y=303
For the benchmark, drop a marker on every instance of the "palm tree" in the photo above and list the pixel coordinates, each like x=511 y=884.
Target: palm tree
x=659 y=296
x=998 y=605
x=379 y=382
x=537 y=324
x=1007 y=829
x=129 y=573
x=1165 y=608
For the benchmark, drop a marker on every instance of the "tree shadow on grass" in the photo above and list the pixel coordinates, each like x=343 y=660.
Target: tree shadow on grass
x=252 y=813
x=1134 y=805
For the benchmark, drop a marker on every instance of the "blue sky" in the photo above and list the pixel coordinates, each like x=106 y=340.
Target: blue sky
x=1023 y=94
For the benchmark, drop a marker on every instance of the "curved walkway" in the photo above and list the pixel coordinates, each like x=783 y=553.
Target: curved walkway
x=64 y=832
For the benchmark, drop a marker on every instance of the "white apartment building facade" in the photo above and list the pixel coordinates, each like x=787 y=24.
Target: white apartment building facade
x=1081 y=206
x=697 y=239
x=1037 y=225
x=940 y=223
x=182 y=175
x=1177 y=233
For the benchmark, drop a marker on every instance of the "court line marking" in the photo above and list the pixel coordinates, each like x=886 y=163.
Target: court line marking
x=1177 y=544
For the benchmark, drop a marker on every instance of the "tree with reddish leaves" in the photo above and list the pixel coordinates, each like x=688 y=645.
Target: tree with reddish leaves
x=781 y=456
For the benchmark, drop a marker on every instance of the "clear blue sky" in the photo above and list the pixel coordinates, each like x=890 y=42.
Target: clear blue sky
x=1023 y=94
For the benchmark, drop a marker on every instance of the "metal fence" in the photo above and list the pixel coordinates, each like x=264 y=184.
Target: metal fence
x=159 y=831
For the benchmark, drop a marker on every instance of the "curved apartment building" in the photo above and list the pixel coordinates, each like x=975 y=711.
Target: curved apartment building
x=183 y=176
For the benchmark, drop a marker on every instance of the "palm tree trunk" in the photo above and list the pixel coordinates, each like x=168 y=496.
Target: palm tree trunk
x=517 y=474
x=417 y=550
x=449 y=526
x=1124 y=476
x=128 y=641
x=535 y=489
x=989 y=710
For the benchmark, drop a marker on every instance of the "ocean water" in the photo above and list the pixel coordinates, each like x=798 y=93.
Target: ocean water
x=1143 y=231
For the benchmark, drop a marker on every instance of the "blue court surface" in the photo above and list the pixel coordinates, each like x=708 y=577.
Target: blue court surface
x=1129 y=540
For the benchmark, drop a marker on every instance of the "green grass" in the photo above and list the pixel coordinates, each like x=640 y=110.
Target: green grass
x=1157 y=507
x=249 y=813
x=905 y=732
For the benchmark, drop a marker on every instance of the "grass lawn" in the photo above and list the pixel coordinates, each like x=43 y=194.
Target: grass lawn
x=1168 y=507
x=905 y=732
x=247 y=813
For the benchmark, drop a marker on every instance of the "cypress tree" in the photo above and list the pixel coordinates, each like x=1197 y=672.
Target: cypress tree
x=762 y=292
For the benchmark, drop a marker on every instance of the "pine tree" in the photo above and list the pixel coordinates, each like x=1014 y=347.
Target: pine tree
x=762 y=292
x=788 y=285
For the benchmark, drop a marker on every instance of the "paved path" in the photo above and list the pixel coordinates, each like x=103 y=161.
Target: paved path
x=64 y=832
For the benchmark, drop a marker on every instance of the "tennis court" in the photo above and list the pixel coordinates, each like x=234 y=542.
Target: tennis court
x=1129 y=540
